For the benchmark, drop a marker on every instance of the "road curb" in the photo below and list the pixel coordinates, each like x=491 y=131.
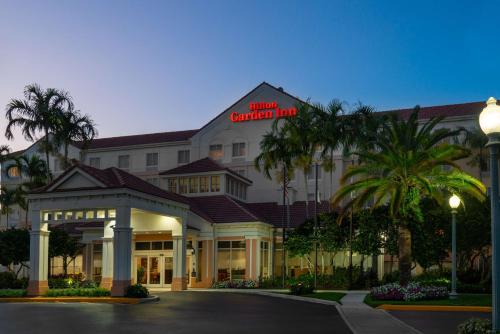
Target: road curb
x=434 y=308
x=103 y=300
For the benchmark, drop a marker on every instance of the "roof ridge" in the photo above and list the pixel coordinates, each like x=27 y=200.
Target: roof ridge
x=142 y=134
x=117 y=174
x=243 y=208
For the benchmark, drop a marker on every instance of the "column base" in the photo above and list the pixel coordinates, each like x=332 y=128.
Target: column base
x=179 y=283
x=119 y=288
x=106 y=283
x=37 y=288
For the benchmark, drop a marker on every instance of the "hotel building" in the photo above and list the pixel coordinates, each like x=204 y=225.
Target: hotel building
x=186 y=208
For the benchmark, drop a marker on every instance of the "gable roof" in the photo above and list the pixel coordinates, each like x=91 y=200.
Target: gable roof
x=201 y=166
x=142 y=139
x=114 y=178
x=225 y=209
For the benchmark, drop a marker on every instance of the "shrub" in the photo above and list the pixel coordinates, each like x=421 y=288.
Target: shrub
x=475 y=326
x=88 y=284
x=60 y=283
x=78 y=292
x=137 y=291
x=8 y=280
x=12 y=293
x=413 y=291
x=235 y=284
x=301 y=288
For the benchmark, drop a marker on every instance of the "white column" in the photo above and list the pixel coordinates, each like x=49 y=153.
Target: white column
x=39 y=256
x=179 y=280
x=107 y=262
x=122 y=252
x=88 y=260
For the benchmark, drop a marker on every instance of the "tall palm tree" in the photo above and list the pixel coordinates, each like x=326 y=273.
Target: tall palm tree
x=37 y=113
x=73 y=126
x=329 y=127
x=407 y=162
x=4 y=152
x=8 y=198
x=302 y=140
x=35 y=170
x=476 y=140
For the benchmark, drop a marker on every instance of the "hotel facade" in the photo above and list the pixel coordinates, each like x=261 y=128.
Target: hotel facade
x=185 y=209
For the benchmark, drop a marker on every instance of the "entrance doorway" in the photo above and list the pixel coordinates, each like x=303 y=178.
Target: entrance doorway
x=154 y=270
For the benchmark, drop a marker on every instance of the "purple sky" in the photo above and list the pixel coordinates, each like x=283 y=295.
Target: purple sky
x=149 y=66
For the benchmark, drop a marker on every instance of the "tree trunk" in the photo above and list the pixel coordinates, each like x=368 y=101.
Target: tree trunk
x=404 y=245
x=7 y=217
x=47 y=141
x=65 y=266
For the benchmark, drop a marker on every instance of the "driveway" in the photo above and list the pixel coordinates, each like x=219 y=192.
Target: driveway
x=177 y=312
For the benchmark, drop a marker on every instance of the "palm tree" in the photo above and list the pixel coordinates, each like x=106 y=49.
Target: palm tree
x=38 y=112
x=8 y=198
x=329 y=129
x=407 y=162
x=476 y=140
x=35 y=169
x=4 y=152
x=73 y=126
x=302 y=139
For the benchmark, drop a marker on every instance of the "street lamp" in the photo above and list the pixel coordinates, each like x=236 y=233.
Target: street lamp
x=489 y=120
x=454 y=203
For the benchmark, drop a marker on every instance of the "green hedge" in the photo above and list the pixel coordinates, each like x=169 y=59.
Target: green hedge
x=12 y=293
x=78 y=292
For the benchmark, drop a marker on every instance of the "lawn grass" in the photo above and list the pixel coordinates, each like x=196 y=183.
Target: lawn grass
x=12 y=293
x=462 y=300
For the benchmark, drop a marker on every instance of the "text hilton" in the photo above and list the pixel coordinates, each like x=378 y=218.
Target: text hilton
x=263 y=110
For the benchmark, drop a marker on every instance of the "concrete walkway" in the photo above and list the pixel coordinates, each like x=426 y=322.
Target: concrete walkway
x=363 y=319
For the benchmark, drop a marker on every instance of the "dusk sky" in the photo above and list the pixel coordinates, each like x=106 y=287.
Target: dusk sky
x=152 y=66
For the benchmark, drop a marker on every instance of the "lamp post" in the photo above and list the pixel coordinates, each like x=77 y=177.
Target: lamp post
x=454 y=203
x=489 y=120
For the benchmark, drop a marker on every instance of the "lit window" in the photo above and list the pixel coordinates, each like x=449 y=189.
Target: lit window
x=193 y=184
x=183 y=185
x=231 y=260
x=203 y=184
x=112 y=213
x=172 y=185
x=68 y=215
x=216 y=152
x=13 y=172
x=101 y=213
x=89 y=215
x=95 y=162
x=124 y=161
x=215 y=183
x=239 y=150
x=183 y=156
x=152 y=161
x=79 y=215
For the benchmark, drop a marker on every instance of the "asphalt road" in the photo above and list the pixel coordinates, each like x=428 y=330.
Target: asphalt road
x=436 y=322
x=182 y=312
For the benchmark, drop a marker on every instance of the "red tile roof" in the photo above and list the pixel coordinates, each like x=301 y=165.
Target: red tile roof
x=449 y=110
x=201 y=166
x=148 y=138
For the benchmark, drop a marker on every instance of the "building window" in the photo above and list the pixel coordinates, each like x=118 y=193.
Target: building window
x=96 y=262
x=95 y=162
x=153 y=180
x=183 y=185
x=172 y=185
x=216 y=152
x=203 y=184
x=264 y=259
x=311 y=175
x=239 y=150
x=231 y=260
x=124 y=161
x=183 y=156
x=13 y=172
x=193 y=185
x=215 y=184
x=152 y=161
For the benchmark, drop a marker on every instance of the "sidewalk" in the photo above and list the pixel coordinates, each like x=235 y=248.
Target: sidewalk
x=362 y=319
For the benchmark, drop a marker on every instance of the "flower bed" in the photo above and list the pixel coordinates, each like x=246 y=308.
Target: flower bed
x=412 y=291
x=236 y=284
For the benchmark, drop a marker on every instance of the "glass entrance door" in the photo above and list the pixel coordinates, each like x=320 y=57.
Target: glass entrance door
x=155 y=270
x=168 y=270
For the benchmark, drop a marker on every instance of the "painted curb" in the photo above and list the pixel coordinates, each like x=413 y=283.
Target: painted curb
x=103 y=300
x=435 y=308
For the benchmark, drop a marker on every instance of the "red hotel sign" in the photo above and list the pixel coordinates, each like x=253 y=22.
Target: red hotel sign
x=263 y=110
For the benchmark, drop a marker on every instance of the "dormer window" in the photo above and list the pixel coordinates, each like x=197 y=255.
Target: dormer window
x=239 y=150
